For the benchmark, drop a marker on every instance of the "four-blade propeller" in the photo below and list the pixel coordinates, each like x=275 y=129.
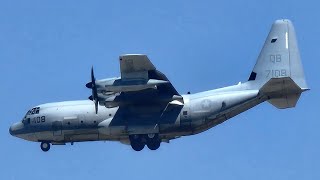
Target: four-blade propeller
x=93 y=87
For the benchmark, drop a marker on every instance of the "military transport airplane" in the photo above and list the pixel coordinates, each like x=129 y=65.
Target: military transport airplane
x=142 y=108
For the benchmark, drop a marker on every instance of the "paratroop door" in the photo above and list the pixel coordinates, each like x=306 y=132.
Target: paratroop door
x=57 y=128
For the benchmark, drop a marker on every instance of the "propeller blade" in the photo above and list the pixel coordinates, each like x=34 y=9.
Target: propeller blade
x=96 y=106
x=94 y=90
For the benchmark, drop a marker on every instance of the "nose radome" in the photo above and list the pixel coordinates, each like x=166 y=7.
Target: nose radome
x=15 y=128
x=10 y=130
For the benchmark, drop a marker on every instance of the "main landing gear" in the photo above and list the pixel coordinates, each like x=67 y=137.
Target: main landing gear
x=45 y=146
x=138 y=141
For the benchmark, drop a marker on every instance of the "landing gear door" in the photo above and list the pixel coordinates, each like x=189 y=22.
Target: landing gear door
x=57 y=128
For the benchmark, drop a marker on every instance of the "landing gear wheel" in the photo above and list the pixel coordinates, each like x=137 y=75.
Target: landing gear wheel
x=154 y=145
x=137 y=146
x=153 y=142
x=45 y=146
x=136 y=142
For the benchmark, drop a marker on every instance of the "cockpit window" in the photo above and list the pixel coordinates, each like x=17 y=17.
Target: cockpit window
x=26 y=120
x=32 y=111
x=35 y=110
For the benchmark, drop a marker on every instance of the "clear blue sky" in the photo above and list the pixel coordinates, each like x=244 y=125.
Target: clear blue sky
x=47 y=49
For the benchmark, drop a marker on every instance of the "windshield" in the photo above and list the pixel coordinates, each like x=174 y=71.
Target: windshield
x=32 y=111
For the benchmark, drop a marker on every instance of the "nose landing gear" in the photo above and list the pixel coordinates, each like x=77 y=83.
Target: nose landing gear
x=45 y=146
x=138 y=141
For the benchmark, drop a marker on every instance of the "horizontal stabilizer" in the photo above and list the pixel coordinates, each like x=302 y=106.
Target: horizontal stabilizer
x=282 y=92
x=289 y=101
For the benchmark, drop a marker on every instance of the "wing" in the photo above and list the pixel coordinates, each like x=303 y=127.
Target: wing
x=143 y=94
x=137 y=69
x=135 y=66
x=140 y=84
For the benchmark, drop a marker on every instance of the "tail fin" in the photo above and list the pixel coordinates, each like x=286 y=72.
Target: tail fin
x=278 y=72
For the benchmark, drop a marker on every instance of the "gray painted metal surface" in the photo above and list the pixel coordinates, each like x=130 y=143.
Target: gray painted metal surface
x=143 y=108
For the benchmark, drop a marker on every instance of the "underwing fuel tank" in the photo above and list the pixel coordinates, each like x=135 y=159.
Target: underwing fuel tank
x=118 y=85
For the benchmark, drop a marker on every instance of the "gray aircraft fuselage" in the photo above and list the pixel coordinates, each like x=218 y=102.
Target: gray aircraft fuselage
x=77 y=120
x=145 y=114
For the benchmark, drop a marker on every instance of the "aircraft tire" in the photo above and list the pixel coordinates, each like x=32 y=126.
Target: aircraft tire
x=154 y=145
x=45 y=146
x=137 y=146
x=136 y=142
x=154 y=142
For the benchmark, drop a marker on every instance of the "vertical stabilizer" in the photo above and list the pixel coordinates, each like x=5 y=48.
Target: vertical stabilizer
x=278 y=72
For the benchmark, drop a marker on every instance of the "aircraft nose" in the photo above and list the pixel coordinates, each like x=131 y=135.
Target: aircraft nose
x=14 y=129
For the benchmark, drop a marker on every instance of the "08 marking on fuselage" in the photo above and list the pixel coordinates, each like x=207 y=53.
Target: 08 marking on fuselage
x=38 y=119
